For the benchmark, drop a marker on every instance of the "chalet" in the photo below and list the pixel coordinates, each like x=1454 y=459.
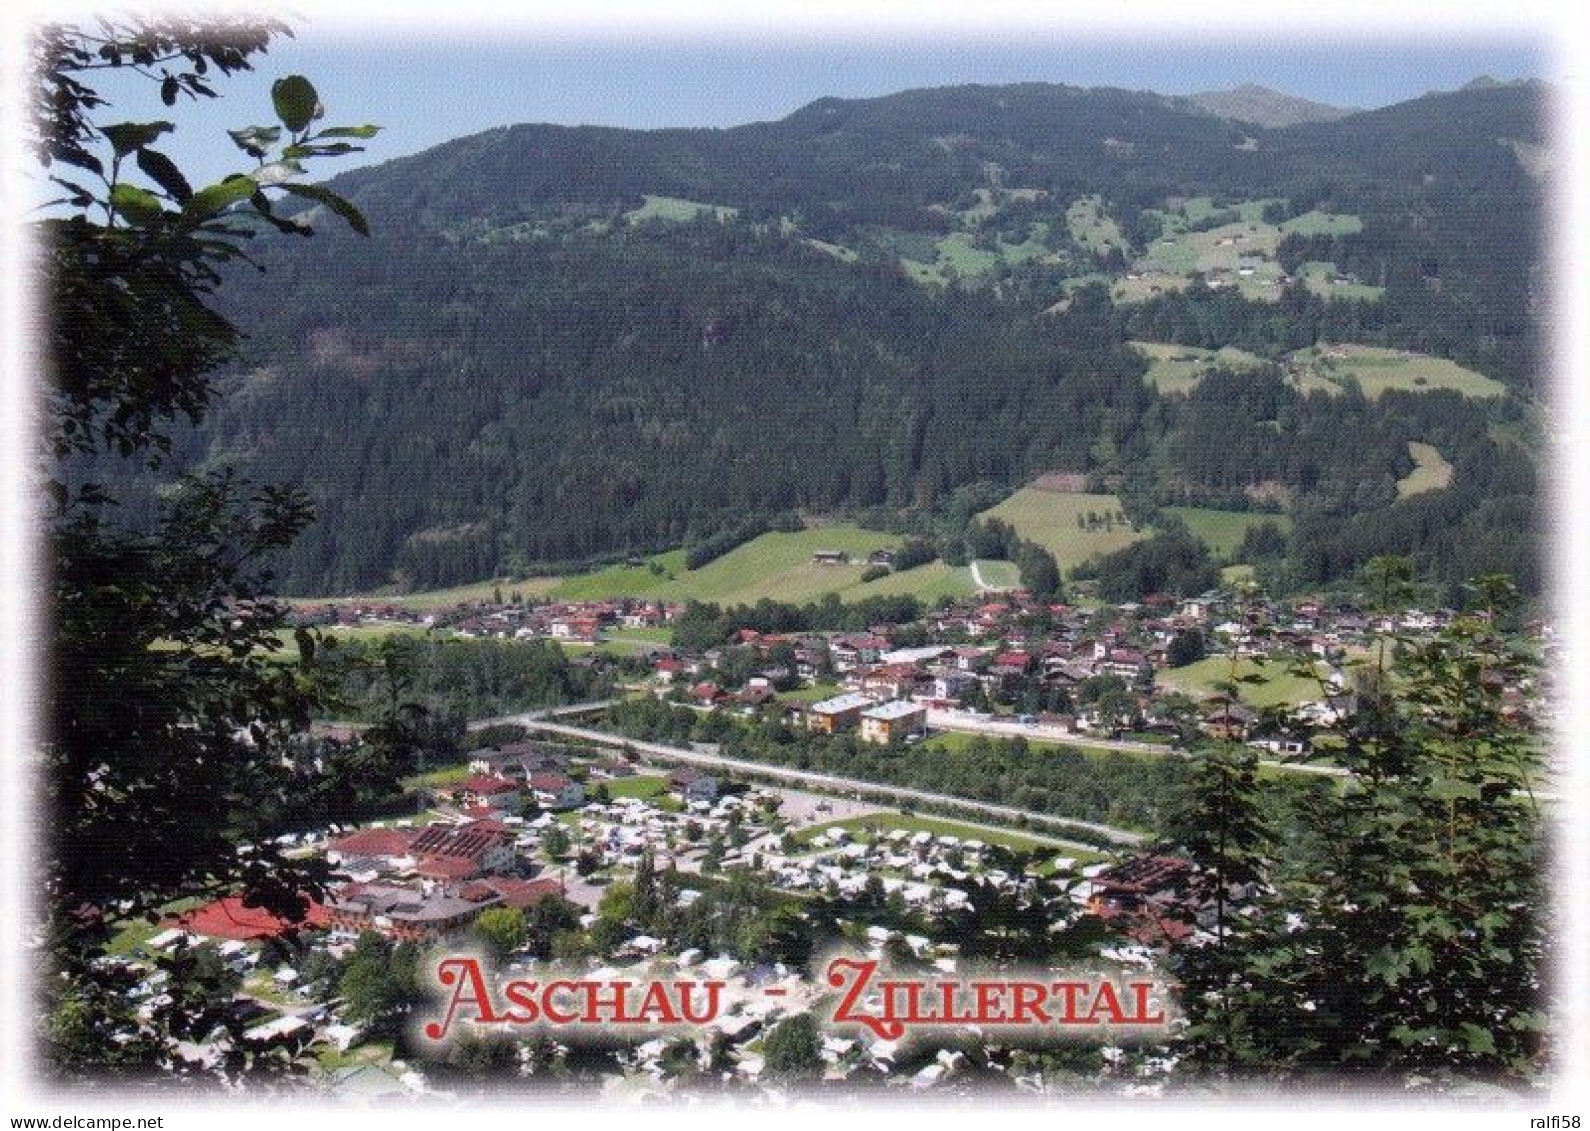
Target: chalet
x=756 y=693
x=1011 y=663
x=456 y=851
x=612 y=768
x=1226 y=720
x=516 y=761
x=483 y=790
x=693 y=785
x=402 y=913
x=809 y=662
x=557 y=791
x=891 y=681
x=839 y=713
x=831 y=557
x=894 y=720
x=509 y=891
x=968 y=659
x=644 y=616
x=881 y=557
x=1148 y=897
x=848 y=652
x=1128 y=663
x=584 y=629
x=950 y=686
x=708 y=694
x=384 y=848
x=667 y=670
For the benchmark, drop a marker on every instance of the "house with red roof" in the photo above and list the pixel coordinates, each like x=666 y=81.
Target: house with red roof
x=483 y=790
x=388 y=848
x=450 y=852
x=1013 y=662
x=557 y=791
x=230 y=918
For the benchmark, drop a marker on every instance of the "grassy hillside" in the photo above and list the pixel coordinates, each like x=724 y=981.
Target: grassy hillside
x=780 y=566
x=1377 y=370
x=1320 y=276
x=1178 y=369
x=1050 y=518
x=677 y=210
x=1091 y=227
x=1326 y=368
x=1280 y=687
x=777 y=565
x=1431 y=473
x=1242 y=251
x=927 y=583
x=1222 y=531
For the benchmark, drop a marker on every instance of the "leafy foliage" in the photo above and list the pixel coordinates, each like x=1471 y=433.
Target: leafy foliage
x=167 y=715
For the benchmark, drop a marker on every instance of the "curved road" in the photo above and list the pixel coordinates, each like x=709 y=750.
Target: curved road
x=811 y=779
x=941 y=720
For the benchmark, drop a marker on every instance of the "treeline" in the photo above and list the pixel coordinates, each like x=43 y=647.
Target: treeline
x=654 y=388
x=701 y=626
x=450 y=677
x=1171 y=562
x=714 y=546
x=616 y=389
x=1116 y=789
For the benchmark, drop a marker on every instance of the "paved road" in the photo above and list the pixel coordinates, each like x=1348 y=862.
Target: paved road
x=982 y=724
x=941 y=720
x=820 y=781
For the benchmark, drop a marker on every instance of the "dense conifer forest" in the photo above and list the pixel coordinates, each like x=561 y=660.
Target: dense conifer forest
x=531 y=364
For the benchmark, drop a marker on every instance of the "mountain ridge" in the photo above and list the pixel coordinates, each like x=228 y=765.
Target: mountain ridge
x=563 y=343
x=1266 y=106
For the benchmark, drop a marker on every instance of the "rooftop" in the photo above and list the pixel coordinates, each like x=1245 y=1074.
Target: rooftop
x=898 y=709
x=838 y=703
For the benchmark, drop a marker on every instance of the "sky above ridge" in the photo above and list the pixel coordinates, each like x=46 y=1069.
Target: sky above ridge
x=425 y=88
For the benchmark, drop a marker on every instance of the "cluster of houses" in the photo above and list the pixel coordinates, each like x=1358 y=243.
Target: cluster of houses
x=983 y=653
x=577 y=622
x=990 y=651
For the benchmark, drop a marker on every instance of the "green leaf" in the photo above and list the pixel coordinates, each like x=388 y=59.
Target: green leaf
x=256 y=140
x=335 y=149
x=337 y=204
x=212 y=199
x=296 y=102
x=125 y=137
x=136 y=204
x=1477 y=1039
x=164 y=172
x=349 y=131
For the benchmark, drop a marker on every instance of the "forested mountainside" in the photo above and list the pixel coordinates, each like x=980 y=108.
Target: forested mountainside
x=565 y=344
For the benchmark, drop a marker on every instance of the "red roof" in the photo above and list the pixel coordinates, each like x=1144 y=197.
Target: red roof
x=375 y=842
x=447 y=867
x=229 y=919
x=519 y=893
x=486 y=784
x=551 y=783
